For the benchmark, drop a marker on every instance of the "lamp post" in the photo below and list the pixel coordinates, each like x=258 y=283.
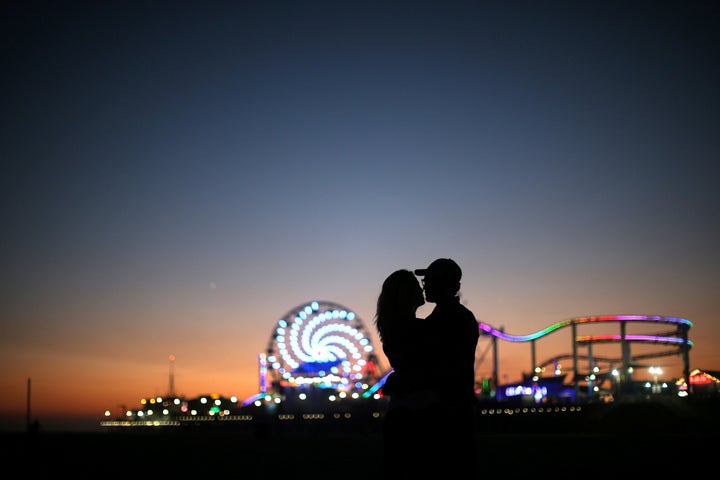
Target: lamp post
x=616 y=382
x=655 y=371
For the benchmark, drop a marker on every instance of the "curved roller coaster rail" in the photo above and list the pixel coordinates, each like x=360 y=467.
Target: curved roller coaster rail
x=672 y=342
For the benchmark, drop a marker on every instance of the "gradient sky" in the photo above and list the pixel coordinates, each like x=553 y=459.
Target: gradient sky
x=177 y=176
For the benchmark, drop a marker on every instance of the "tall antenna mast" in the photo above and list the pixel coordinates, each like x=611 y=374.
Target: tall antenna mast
x=171 y=389
x=28 y=404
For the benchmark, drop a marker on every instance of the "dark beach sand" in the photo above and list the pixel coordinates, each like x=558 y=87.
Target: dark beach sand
x=650 y=441
x=228 y=455
x=188 y=454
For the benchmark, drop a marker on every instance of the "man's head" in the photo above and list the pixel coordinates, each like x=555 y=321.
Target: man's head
x=441 y=279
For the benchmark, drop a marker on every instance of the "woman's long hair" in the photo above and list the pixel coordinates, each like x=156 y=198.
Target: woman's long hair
x=400 y=296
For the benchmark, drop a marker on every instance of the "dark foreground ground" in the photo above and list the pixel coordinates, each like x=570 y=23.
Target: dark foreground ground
x=226 y=455
x=647 y=440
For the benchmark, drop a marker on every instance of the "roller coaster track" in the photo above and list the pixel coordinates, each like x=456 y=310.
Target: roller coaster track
x=677 y=339
x=681 y=322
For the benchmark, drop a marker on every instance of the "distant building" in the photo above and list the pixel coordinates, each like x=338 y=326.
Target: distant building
x=702 y=383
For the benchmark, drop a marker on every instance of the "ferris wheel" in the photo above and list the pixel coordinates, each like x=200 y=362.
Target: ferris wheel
x=319 y=344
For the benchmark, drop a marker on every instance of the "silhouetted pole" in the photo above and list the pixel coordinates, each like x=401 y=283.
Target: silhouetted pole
x=171 y=391
x=495 y=363
x=575 y=361
x=686 y=358
x=591 y=373
x=28 y=404
x=532 y=354
x=626 y=375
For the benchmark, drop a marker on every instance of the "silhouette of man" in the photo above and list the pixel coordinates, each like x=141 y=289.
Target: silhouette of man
x=456 y=333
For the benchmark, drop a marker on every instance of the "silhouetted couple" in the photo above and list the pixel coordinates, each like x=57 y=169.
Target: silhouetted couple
x=430 y=420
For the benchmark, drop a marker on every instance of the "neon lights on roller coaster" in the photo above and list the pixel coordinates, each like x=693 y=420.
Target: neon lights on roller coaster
x=372 y=390
x=601 y=318
x=630 y=338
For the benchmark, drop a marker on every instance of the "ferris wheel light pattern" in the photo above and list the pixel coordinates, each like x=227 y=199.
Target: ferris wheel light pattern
x=321 y=343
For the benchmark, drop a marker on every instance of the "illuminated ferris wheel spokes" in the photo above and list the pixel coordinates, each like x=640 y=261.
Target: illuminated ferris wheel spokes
x=322 y=343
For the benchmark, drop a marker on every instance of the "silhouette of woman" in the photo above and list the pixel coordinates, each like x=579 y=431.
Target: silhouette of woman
x=406 y=443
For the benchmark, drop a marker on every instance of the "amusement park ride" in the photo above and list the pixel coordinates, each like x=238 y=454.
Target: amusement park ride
x=321 y=358
x=319 y=345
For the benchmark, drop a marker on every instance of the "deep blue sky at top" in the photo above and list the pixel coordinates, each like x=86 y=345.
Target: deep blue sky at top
x=566 y=153
x=168 y=114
